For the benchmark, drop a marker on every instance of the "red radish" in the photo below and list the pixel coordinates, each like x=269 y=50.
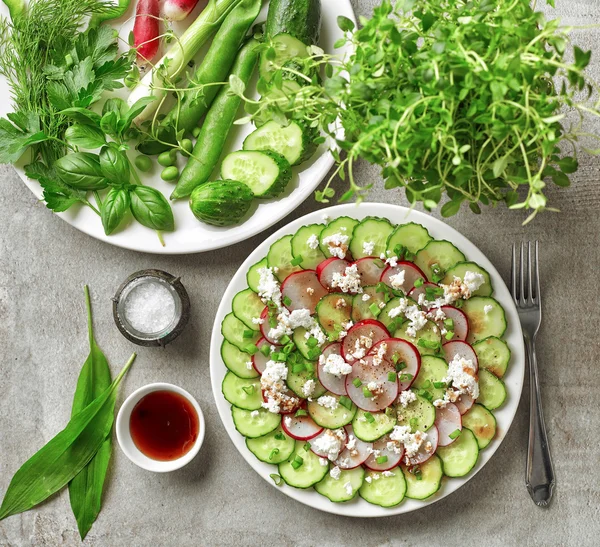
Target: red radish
x=259 y=360
x=367 y=372
x=401 y=351
x=301 y=428
x=265 y=327
x=447 y=421
x=460 y=349
x=146 y=30
x=423 y=453
x=353 y=347
x=335 y=384
x=178 y=10
x=464 y=403
x=303 y=290
x=355 y=453
x=411 y=274
x=343 y=436
x=418 y=291
x=461 y=323
x=327 y=268
x=393 y=458
x=370 y=270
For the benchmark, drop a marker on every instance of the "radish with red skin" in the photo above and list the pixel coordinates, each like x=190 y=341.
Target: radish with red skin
x=146 y=30
x=406 y=353
x=259 y=359
x=265 y=327
x=356 y=456
x=178 y=10
x=328 y=268
x=322 y=454
x=331 y=382
x=301 y=428
x=418 y=291
x=423 y=454
x=303 y=290
x=464 y=403
x=366 y=371
x=369 y=328
x=393 y=458
x=370 y=270
x=411 y=274
x=461 y=323
x=447 y=420
x=458 y=348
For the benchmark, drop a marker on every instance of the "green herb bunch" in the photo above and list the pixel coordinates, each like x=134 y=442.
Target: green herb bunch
x=462 y=98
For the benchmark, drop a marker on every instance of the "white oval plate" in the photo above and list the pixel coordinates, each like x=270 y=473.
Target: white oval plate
x=192 y=236
x=513 y=379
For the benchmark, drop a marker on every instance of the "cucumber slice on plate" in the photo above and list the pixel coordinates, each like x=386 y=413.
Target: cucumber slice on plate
x=425 y=340
x=493 y=354
x=459 y=270
x=385 y=490
x=461 y=456
x=246 y=305
x=367 y=309
x=266 y=173
x=482 y=423
x=423 y=480
x=303 y=468
x=237 y=361
x=486 y=318
x=240 y=392
x=280 y=257
x=286 y=48
x=291 y=141
x=342 y=226
x=433 y=370
x=369 y=431
x=255 y=423
x=440 y=253
x=331 y=418
x=419 y=415
x=238 y=334
x=393 y=323
x=253 y=275
x=297 y=380
x=305 y=246
x=332 y=314
x=411 y=236
x=344 y=488
x=369 y=237
x=492 y=391
x=274 y=447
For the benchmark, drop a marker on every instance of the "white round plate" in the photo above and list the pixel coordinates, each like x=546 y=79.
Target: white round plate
x=192 y=236
x=513 y=379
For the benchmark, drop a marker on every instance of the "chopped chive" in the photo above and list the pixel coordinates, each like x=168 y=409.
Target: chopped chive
x=419 y=282
x=251 y=349
x=449 y=324
x=284 y=339
x=367 y=393
x=426 y=384
x=312 y=342
x=288 y=349
x=310 y=367
x=280 y=436
x=248 y=333
x=375 y=310
x=297 y=368
x=399 y=250
x=357 y=382
x=454 y=434
x=276 y=478
x=406 y=377
x=425 y=394
x=313 y=353
x=418 y=473
x=287 y=301
x=296 y=464
x=292 y=358
x=297 y=261
x=346 y=402
x=333 y=336
x=381 y=459
x=430 y=344
x=273 y=453
x=413 y=422
x=439 y=385
x=279 y=356
x=392 y=376
x=437 y=273
x=306 y=446
x=449 y=335
x=265 y=349
x=249 y=390
x=369 y=417
x=300 y=412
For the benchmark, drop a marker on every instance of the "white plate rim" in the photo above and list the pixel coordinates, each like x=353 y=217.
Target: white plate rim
x=513 y=379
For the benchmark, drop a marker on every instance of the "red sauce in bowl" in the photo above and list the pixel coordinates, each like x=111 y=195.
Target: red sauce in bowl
x=164 y=425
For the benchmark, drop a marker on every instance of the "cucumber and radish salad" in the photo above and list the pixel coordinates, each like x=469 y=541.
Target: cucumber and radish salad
x=365 y=359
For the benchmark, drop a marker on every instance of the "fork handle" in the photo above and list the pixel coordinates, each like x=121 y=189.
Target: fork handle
x=540 y=471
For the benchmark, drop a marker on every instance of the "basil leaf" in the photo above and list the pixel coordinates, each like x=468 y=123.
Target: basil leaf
x=150 y=208
x=85 y=136
x=109 y=124
x=114 y=165
x=85 y=490
x=81 y=170
x=63 y=457
x=82 y=116
x=116 y=105
x=114 y=207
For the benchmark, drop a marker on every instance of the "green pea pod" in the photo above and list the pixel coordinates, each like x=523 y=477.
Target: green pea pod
x=114 y=208
x=217 y=125
x=115 y=165
x=151 y=209
x=111 y=13
x=81 y=170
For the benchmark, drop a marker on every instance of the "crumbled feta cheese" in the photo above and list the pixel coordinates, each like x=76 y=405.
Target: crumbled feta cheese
x=257 y=320
x=399 y=309
x=327 y=401
x=274 y=388
x=330 y=443
x=337 y=244
x=462 y=288
x=313 y=241
x=348 y=488
x=275 y=372
x=351 y=444
x=288 y=421
x=335 y=473
x=462 y=374
x=249 y=365
x=361 y=346
x=412 y=441
x=335 y=364
x=487 y=308
x=310 y=291
x=349 y=281
x=381 y=305
x=406 y=397
x=366 y=297
x=397 y=280
x=473 y=280
x=436 y=314
x=417 y=320
x=268 y=286
x=308 y=388
x=368 y=479
x=254 y=413
x=301 y=318
x=380 y=354
x=368 y=248
x=323 y=462
x=325 y=218
x=395 y=447
x=388 y=474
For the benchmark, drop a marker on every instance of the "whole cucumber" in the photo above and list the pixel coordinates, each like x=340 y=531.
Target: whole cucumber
x=217 y=125
x=298 y=18
x=221 y=203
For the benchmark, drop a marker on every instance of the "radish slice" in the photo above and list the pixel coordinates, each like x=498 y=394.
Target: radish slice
x=259 y=361
x=322 y=453
x=411 y=274
x=401 y=351
x=370 y=270
x=464 y=403
x=380 y=449
x=460 y=349
x=331 y=382
x=355 y=453
x=367 y=372
x=303 y=290
x=301 y=428
x=328 y=268
x=447 y=421
x=461 y=323
x=265 y=327
x=418 y=291
x=424 y=454
x=178 y=10
x=361 y=338
x=146 y=30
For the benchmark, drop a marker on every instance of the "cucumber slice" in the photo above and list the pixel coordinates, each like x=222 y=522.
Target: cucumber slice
x=240 y=392
x=461 y=456
x=300 y=340
x=493 y=354
x=331 y=418
x=291 y=141
x=492 y=391
x=336 y=490
x=246 y=306
x=395 y=323
x=433 y=369
x=274 y=447
x=440 y=252
x=301 y=246
x=420 y=486
x=266 y=173
x=280 y=257
x=308 y=473
x=482 y=324
x=286 y=48
x=331 y=315
x=296 y=380
x=412 y=236
x=372 y=232
x=482 y=423
x=459 y=270
x=371 y=431
x=254 y=426
x=430 y=334
x=343 y=226
x=253 y=277
x=361 y=309
x=235 y=332
x=419 y=415
x=385 y=491
x=237 y=361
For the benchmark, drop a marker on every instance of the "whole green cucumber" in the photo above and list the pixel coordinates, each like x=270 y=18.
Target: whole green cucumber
x=298 y=18
x=217 y=125
x=221 y=203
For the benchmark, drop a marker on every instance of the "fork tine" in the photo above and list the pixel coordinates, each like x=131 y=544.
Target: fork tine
x=522 y=276
x=530 y=297
x=513 y=273
x=538 y=294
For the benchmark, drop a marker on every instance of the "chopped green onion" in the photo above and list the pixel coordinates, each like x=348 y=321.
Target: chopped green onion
x=309 y=366
x=426 y=394
x=367 y=393
x=389 y=411
x=273 y=453
x=381 y=459
x=419 y=282
x=297 y=261
x=413 y=422
x=276 y=478
x=392 y=376
x=333 y=336
x=426 y=384
x=369 y=417
x=409 y=255
x=375 y=310
x=296 y=464
x=306 y=446
x=279 y=356
x=438 y=273
x=285 y=338
x=248 y=333
x=272 y=322
x=449 y=335
x=288 y=349
x=265 y=349
x=454 y=434
x=399 y=250
x=313 y=353
x=400 y=366
x=280 y=436
x=449 y=324
x=439 y=385
x=418 y=473
x=293 y=358
x=458 y=304
x=430 y=344
x=301 y=412
x=346 y=402
x=287 y=301
x=406 y=377
x=251 y=349
x=357 y=382
x=249 y=390
x=297 y=368
x=312 y=342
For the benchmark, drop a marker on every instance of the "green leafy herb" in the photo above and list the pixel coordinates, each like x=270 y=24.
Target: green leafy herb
x=369 y=417
x=346 y=402
x=392 y=376
x=381 y=459
x=114 y=208
x=115 y=165
x=357 y=382
x=151 y=208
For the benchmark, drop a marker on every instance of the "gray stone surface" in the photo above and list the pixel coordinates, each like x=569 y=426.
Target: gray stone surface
x=218 y=500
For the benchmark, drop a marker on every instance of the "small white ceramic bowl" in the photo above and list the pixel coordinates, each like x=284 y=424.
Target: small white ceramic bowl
x=132 y=451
